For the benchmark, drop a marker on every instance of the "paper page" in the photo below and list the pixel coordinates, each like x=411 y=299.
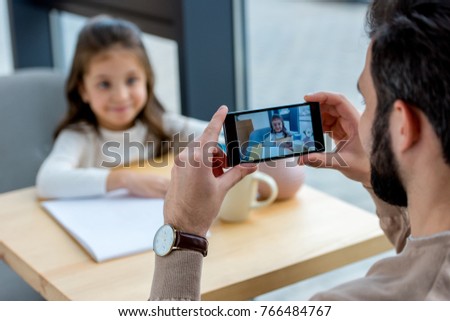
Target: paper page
x=112 y=226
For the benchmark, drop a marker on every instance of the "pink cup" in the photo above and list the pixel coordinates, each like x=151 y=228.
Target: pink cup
x=288 y=175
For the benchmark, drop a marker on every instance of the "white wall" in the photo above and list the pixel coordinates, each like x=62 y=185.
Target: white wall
x=6 y=64
x=260 y=119
x=164 y=58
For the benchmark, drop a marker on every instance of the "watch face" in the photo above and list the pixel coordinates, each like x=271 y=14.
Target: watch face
x=164 y=240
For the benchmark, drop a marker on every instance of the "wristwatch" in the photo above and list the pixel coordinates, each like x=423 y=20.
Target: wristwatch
x=167 y=239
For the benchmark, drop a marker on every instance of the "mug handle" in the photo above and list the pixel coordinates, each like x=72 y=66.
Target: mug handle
x=263 y=177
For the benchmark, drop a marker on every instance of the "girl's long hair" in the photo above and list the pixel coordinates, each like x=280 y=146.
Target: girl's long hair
x=275 y=116
x=98 y=35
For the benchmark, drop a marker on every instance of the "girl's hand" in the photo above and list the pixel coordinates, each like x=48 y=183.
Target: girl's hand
x=146 y=184
x=138 y=183
x=340 y=120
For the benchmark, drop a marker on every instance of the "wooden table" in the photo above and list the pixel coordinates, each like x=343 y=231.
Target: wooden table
x=281 y=244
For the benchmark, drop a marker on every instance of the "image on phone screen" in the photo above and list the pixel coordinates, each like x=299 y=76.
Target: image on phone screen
x=273 y=133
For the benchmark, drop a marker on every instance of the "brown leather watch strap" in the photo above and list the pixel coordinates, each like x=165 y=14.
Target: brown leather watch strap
x=187 y=241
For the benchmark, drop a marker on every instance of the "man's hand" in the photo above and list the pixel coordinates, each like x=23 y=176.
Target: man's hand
x=340 y=120
x=199 y=183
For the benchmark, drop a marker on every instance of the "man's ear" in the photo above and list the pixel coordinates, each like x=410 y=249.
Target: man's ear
x=405 y=124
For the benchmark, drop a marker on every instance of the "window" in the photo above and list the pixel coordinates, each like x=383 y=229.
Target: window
x=6 y=63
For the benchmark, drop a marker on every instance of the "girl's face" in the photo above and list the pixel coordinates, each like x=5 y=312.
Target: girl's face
x=114 y=86
x=277 y=125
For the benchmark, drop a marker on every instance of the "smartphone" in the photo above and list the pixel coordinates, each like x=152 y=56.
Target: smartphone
x=254 y=136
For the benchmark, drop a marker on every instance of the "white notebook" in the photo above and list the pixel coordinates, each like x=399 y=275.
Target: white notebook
x=112 y=226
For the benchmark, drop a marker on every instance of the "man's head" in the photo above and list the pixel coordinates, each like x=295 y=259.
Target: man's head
x=407 y=68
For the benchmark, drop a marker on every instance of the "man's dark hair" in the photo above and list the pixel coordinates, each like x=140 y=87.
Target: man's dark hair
x=383 y=11
x=411 y=61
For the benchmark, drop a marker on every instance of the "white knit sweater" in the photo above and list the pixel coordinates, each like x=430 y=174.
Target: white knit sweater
x=80 y=161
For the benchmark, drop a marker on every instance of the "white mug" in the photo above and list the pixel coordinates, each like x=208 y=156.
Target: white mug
x=242 y=197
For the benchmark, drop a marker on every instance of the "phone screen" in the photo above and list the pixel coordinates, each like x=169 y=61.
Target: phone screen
x=271 y=133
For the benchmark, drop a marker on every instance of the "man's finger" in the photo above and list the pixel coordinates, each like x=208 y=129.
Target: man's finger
x=334 y=104
x=320 y=97
x=212 y=131
x=234 y=175
x=323 y=160
x=327 y=98
x=313 y=160
x=219 y=162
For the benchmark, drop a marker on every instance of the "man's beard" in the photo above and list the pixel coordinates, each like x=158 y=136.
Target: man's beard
x=384 y=174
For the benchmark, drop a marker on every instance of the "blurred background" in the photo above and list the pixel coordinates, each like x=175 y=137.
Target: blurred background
x=283 y=49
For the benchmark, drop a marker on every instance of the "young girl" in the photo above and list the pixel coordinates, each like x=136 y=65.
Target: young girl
x=277 y=129
x=112 y=112
x=278 y=137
